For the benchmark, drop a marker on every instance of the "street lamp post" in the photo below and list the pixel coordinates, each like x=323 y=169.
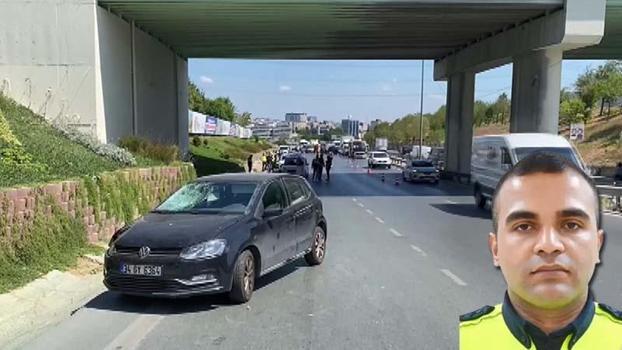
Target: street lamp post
x=421 y=114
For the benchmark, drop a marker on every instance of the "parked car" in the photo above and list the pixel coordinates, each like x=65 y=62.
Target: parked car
x=493 y=156
x=295 y=164
x=420 y=170
x=218 y=234
x=360 y=155
x=379 y=159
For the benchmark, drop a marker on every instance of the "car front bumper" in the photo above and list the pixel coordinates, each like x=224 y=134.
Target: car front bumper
x=175 y=281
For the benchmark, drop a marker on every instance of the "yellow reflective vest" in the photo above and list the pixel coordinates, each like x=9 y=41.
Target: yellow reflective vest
x=486 y=329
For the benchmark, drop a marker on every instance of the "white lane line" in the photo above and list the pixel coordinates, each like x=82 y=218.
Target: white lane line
x=450 y=202
x=379 y=220
x=396 y=233
x=369 y=212
x=138 y=330
x=360 y=205
x=453 y=277
x=418 y=250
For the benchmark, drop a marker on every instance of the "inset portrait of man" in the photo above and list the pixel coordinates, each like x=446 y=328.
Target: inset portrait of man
x=546 y=239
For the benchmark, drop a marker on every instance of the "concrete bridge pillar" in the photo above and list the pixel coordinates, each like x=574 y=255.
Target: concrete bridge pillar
x=536 y=82
x=459 y=122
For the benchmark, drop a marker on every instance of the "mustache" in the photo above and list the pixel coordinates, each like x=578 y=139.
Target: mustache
x=538 y=263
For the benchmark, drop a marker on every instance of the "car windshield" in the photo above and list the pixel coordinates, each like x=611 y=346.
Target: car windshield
x=379 y=155
x=565 y=152
x=209 y=197
x=422 y=164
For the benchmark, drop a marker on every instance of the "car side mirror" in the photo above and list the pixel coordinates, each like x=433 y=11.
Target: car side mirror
x=272 y=212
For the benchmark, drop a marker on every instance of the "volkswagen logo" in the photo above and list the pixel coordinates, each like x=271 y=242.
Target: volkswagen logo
x=143 y=252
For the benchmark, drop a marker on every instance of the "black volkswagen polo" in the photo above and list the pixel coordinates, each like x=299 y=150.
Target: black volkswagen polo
x=217 y=235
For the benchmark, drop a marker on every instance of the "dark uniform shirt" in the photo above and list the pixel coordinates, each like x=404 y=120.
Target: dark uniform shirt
x=526 y=332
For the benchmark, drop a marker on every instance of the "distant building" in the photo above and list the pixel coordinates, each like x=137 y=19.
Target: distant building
x=296 y=117
x=350 y=127
x=271 y=129
x=312 y=119
x=373 y=123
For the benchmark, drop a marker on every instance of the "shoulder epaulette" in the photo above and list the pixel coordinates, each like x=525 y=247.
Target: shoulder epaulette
x=617 y=314
x=477 y=313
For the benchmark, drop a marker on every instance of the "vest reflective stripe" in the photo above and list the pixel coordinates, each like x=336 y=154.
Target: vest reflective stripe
x=490 y=332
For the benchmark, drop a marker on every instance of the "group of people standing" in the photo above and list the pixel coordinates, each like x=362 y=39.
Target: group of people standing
x=319 y=164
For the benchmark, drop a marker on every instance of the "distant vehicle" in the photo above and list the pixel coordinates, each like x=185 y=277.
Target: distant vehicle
x=382 y=144
x=379 y=159
x=493 y=156
x=420 y=170
x=295 y=164
x=218 y=234
x=357 y=147
x=437 y=157
x=360 y=155
x=425 y=152
x=284 y=149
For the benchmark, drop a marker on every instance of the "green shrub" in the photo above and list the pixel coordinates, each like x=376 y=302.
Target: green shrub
x=196 y=141
x=205 y=142
x=163 y=153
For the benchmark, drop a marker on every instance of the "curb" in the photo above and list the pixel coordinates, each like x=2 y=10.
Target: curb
x=45 y=301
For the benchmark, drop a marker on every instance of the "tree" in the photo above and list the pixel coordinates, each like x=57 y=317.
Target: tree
x=243 y=119
x=608 y=84
x=572 y=111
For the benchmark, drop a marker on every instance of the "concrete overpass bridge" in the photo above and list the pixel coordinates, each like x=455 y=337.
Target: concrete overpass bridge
x=119 y=67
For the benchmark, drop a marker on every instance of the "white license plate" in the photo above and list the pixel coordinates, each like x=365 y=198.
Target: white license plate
x=142 y=270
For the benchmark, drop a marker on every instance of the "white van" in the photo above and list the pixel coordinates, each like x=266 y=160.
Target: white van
x=494 y=155
x=284 y=149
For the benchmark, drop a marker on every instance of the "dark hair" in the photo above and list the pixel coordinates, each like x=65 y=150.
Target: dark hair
x=620 y=164
x=545 y=163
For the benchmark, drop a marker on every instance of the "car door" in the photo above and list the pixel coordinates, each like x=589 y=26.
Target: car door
x=278 y=227
x=302 y=209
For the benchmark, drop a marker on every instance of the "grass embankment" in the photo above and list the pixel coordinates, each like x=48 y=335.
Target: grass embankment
x=46 y=237
x=601 y=148
x=32 y=151
x=215 y=155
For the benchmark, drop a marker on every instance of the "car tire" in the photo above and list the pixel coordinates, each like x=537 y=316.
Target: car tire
x=243 y=278
x=318 y=248
x=480 y=200
x=404 y=178
x=389 y=167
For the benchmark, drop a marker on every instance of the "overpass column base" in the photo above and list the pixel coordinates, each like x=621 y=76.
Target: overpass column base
x=459 y=123
x=536 y=83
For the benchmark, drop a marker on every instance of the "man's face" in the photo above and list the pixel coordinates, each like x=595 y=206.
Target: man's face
x=547 y=243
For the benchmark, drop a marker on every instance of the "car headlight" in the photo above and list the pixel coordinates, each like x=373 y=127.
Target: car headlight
x=414 y=170
x=204 y=250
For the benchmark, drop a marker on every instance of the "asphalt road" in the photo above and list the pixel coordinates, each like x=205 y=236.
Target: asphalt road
x=403 y=261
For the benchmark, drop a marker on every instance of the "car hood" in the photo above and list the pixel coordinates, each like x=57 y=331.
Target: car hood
x=170 y=231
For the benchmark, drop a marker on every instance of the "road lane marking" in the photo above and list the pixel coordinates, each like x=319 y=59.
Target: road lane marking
x=379 y=220
x=396 y=233
x=369 y=212
x=450 y=202
x=418 y=250
x=138 y=330
x=360 y=205
x=453 y=277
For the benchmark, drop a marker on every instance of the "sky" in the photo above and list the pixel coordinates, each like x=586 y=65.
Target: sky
x=333 y=89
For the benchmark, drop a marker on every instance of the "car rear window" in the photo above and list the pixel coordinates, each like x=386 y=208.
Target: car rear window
x=294 y=161
x=422 y=164
x=379 y=155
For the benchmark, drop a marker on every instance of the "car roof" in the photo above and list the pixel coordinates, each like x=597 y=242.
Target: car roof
x=241 y=177
x=528 y=140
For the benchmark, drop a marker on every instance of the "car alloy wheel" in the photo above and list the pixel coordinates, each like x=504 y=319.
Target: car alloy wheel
x=249 y=274
x=318 y=249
